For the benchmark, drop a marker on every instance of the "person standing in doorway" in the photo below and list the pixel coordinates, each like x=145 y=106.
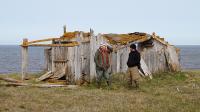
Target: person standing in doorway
x=102 y=61
x=133 y=64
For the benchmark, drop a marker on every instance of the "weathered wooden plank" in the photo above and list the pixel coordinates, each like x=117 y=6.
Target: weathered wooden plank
x=58 y=74
x=118 y=61
x=46 y=57
x=114 y=62
x=40 y=85
x=92 y=54
x=10 y=80
x=172 y=58
x=60 y=61
x=45 y=76
x=43 y=40
x=145 y=68
x=55 y=45
x=53 y=58
x=77 y=61
x=24 y=62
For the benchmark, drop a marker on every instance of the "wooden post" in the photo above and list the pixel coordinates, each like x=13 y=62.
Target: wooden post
x=92 y=53
x=77 y=61
x=118 y=61
x=46 y=55
x=53 y=57
x=64 y=29
x=24 y=58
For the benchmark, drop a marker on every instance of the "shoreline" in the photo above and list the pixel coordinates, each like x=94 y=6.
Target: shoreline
x=39 y=72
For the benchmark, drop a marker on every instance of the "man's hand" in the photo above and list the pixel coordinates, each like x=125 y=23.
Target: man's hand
x=106 y=67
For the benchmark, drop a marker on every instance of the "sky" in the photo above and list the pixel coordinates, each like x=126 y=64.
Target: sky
x=178 y=21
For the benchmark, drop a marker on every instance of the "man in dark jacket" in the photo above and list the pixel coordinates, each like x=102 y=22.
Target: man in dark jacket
x=133 y=64
x=102 y=61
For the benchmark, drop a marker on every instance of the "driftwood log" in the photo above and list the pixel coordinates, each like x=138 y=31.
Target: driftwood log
x=10 y=80
x=38 y=85
x=17 y=83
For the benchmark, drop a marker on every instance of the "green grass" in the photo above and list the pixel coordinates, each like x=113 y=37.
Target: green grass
x=166 y=92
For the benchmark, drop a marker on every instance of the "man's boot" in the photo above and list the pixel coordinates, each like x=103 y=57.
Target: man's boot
x=136 y=84
x=98 y=85
x=130 y=84
x=108 y=83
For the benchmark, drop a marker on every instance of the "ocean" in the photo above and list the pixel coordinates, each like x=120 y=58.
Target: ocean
x=10 y=58
x=190 y=56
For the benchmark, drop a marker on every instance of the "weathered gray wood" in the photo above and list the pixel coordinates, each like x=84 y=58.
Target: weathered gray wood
x=46 y=57
x=118 y=61
x=85 y=62
x=172 y=58
x=123 y=59
x=10 y=80
x=24 y=61
x=39 y=85
x=77 y=61
x=114 y=62
x=154 y=57
x=145 y=68
x=70 y=68
x=58 y=74
x=45 y=76
x=53 y=58
x=92 y=54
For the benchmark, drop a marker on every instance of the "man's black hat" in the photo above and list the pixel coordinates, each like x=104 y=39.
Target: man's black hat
x=133 y=46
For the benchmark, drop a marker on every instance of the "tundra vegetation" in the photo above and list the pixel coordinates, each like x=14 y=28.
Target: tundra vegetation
x=166 y=92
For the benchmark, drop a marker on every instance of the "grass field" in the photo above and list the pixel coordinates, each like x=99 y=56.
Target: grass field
x=166 y=92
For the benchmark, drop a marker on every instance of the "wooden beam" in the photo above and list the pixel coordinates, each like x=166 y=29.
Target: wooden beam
x=55 y=45
x=24 y=61
x=61 y=61
x=43 y=40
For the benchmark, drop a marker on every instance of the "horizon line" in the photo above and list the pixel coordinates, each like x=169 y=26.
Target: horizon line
x=174 y=44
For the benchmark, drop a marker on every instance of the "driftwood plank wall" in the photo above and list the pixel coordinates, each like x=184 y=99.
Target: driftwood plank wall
x=73 y=61
x=48 y=59
x=154 y=57
x=119 y=59
x=78 y=62
x=161 y=58
x=172 y=58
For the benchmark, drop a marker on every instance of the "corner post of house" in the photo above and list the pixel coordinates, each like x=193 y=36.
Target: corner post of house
x=77 y=61
x=92 y=53
x=24 y=58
